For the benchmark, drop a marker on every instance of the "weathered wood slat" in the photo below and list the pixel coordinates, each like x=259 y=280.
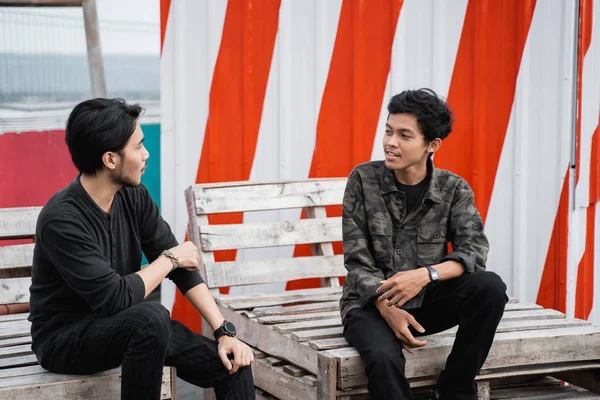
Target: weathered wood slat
x=509 y=349
x=13 y=317
x=270 y=234
x=102 y=386
x=294 y=310
x=280 y=319
x=308 y=325
x=245 y=196
x=16 y=256
x=14 y=351
x=278 y=299
x=18 y=223
x=22 y=371
x=15 y=341
x=279 y=383
x=11 y=333
x=18 y=361
x=235 y=273
x=14 y=290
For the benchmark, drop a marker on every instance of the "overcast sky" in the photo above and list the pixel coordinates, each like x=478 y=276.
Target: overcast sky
x=126 y=27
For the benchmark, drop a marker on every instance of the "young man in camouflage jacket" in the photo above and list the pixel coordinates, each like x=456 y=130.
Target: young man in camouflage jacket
x=398 y=217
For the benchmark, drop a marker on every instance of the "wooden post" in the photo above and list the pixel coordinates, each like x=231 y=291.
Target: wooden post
x=483 y=390
x=92 y=36
x=327 y=377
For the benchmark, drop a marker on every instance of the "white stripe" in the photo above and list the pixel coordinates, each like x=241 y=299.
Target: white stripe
x=193 y=36
x=535 y=154
x=287 y=135
x=590 y=106
x=423 y=54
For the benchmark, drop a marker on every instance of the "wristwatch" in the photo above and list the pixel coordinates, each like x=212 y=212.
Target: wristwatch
x=433 y=274
x=226 y=329
x=171 y=257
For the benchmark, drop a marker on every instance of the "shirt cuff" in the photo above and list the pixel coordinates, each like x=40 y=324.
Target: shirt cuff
x=462 y=258
x=367 y=298
x=138 y=287
x=184 y=279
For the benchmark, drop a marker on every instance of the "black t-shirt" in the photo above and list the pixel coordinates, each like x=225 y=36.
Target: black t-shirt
x=85 y=260
x=413 y=193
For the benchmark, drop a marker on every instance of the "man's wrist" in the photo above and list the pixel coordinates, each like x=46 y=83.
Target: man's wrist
x=425 y=278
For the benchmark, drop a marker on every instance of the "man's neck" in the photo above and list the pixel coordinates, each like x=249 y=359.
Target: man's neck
x=411 y=175
x=101 y=189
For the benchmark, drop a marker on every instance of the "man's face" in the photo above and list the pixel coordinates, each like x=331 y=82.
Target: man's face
x=403 y=143
x=133 y=160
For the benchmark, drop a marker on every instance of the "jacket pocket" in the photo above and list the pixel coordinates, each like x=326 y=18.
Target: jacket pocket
x=431 y=243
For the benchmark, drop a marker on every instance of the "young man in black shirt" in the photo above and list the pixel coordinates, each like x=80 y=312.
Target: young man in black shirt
x=87 y=292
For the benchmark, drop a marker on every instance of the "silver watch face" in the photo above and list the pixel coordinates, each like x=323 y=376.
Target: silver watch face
x=433 y=274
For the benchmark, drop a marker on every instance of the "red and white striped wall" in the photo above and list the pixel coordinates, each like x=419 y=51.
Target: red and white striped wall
x=284 y=89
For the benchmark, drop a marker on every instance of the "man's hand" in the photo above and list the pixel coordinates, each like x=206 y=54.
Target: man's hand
x=399 y=320
x=188 y=256
x=242 y=355
x=402 y=287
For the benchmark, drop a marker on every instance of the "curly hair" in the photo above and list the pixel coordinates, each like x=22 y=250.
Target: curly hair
x=433 y=115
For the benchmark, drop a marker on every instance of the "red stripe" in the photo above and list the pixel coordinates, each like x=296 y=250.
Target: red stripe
x=353 y=94
x=584 y=294
x=585 y=38
x=585 y=275
x=482 y=91
x=553 y=289
x=165 y=6
x=236 y=104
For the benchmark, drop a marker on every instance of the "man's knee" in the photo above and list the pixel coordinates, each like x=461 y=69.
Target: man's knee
x=383 y=362
x=153 y=323
x=490 y=288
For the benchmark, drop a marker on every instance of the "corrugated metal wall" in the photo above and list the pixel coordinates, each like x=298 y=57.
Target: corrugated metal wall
x=266 y=90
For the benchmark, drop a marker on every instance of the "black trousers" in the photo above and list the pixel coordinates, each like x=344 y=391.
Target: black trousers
x=475 y=302
x=142 y=339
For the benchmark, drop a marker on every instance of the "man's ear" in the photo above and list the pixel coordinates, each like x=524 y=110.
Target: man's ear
x=434 y=145
x=111 y=159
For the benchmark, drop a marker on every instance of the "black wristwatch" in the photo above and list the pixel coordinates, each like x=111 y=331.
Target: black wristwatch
x=433 y=274
x=226 y=329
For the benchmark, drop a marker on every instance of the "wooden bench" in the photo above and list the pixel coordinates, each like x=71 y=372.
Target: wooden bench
x=20 y=375
x=298 y=333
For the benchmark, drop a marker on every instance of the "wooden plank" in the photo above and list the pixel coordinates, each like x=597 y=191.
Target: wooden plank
x=22 y=331
x=533 y=314
x=304 y=336
x=280 y=384
x=270 y=234
x=327 y=377
x=279 y=298
x=14 y=290
x=323 y=248
x=18 y=223
x=293 y=310
x=15 y=341
x=509 y=349
x=293 y=370
x=101 y=386
x=235 y=273
x=16 y=256
x=272 y=342
x=12 y=317
x=41 y=3
x=544 y=393
x=521 y=307
x=251 y=196
x=281 y=319
x=18 y=361
x=308 y=325
x=15 y=351
x=22 y=371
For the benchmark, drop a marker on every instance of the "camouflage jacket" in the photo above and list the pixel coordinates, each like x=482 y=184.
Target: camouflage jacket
x=380 y=239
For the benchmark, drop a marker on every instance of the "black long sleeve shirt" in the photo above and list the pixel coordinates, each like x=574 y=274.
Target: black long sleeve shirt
x=85 y=259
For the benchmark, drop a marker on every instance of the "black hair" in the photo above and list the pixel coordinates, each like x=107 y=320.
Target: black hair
x=433 y=115
x=96 y=126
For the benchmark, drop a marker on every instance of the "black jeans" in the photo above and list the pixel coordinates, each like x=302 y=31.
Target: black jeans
x=475 y=302
x=142 y=339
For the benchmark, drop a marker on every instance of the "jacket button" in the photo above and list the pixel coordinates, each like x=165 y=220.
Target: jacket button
x=436 y=235
x=399 y=252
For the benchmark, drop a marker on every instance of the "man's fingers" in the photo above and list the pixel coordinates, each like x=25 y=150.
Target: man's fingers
x=237 y=359
x=413 y=322
x=224 y=359
x=405 y=347
x=410 y=339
